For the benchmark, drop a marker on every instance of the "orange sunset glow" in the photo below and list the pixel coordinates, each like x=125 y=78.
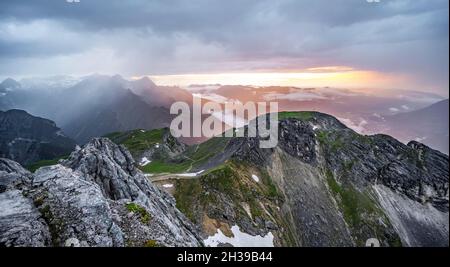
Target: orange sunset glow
x=312 y=77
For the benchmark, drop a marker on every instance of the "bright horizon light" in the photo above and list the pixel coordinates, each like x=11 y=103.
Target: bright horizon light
x=313 y=77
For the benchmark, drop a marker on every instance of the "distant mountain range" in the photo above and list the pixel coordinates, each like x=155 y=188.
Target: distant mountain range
x=365 y=111
x=95 y=105
x=27 y=139
x=429 y=125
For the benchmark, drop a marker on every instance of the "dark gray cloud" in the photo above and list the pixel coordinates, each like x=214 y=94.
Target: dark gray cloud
x=139 y=37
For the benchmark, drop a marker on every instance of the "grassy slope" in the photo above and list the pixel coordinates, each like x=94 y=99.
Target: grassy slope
x=301 y=115
x=137 y=141
x=193 y=157
x=231 y=185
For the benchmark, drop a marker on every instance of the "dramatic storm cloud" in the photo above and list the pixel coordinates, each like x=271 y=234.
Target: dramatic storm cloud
x=402 y=38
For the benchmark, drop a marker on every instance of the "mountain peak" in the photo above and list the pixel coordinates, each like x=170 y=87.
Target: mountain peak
x=145 y=82
x=9 y=84
x=97 y=191
x=16 y=111
x=118 y=77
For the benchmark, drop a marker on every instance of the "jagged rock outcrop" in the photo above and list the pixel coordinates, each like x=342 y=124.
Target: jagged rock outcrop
x=123 y=181
x=13 y=175
x=74 y=208
x=21 y=223
x=97 y=197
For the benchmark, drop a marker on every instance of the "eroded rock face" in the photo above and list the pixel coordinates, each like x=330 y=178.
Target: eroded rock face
x=21 y=224
x=112 y=168
x=12 y=174
x=297 y=139
x=20 y=221
x=74 y=208
x=376 y=181
x=340 y=188
x=109 y=165
x=95 y=198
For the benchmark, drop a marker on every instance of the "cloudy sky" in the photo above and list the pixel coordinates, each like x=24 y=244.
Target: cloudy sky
x=393 y=43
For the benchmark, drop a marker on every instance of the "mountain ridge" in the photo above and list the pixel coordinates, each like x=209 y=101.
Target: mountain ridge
x=27 y=139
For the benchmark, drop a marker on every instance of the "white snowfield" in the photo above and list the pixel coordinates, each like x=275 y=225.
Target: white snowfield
x=240 y=239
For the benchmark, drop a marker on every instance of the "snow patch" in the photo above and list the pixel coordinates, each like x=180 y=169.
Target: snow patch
x=256 y=178
x=192 y=174
x=240 y=239
x=144 y=161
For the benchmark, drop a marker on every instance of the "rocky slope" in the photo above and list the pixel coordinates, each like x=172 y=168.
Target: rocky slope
x=323 y=185
x=96 y=197
x=27 y=139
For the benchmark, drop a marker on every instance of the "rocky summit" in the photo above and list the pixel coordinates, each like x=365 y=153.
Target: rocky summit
x=97 y=197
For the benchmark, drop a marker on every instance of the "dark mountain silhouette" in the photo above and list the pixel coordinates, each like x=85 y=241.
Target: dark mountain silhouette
x=27 y=139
